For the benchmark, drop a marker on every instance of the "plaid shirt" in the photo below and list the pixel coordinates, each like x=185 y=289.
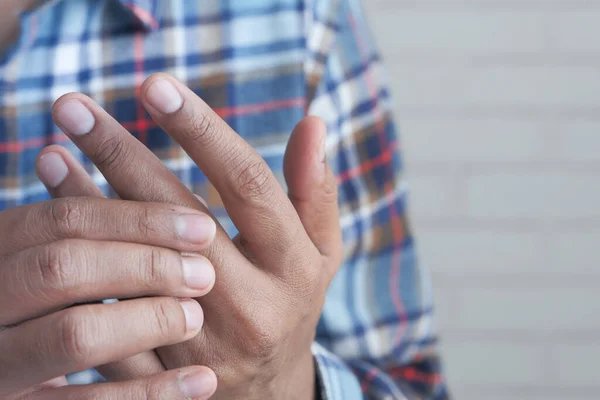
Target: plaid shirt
x=262 y=65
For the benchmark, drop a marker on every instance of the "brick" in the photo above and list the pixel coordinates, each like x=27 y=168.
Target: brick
x=575 y=31
x=444 y=309
x=487 y=5
x=497 y=86
x=486 y=363
x=576 y=364
x=536 y=194
x=481 y=253
x=545 y=393
x=576 y=141
x=513 y=310
x=402 y=30
x=575 y=253
x=498 y=140
x=432 y=195
x=465 y=140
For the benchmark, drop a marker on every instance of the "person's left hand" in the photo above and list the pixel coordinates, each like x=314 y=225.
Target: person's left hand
x=271 y=280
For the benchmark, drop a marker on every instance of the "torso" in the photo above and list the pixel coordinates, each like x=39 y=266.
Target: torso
x=259 y=89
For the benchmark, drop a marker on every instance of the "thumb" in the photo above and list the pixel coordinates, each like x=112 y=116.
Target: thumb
x=312 y=187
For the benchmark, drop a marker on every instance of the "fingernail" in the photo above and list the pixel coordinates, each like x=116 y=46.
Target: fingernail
x=163 y=96
x=198 y=386
x=75 y=118
x=52 y=169
x=198 y=272
x=197 y=229
x=194 y=317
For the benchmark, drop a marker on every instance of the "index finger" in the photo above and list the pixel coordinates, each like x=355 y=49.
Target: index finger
x=255 y=201
x=94 y=218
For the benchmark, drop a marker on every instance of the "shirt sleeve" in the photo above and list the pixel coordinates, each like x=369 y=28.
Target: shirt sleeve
x=376 y=337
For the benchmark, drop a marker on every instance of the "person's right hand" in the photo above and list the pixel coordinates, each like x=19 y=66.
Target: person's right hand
x=65 y=252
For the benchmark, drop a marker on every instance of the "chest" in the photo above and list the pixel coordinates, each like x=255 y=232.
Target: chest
x=247 y=68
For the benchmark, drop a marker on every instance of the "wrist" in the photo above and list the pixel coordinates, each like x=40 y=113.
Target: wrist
x=300 y=383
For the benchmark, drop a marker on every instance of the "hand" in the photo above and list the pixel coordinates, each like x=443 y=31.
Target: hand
x=261 y=316
x=77 y=250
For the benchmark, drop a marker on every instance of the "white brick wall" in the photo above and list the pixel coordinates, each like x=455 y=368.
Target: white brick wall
x=499 y=106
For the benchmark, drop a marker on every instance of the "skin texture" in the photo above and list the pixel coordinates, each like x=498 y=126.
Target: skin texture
x=80 y=249
x=83 y=248
x=261 y=315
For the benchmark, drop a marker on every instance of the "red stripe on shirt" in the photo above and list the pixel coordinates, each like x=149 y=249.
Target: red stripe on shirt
x=225 y=112
x=141 y=125
x=395 y=222
x=144 y=125
x=368 y=165
x=15 y=147
x=414 y=375
x=143 y=15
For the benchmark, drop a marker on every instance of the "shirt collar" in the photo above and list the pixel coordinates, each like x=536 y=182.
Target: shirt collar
x=145 y=12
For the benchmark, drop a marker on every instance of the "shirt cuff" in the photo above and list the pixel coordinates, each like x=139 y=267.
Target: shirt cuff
x=335 y=379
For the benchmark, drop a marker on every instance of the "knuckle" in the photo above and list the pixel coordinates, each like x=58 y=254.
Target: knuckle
x=200 y=128
x=152 y=390
x=67 y=215
x=155 y=266
x=165 y=324
x=108 y=153
x=145 y=225
x=263 y=340
x=56 y=266
x=76 y=340
x=254 y=181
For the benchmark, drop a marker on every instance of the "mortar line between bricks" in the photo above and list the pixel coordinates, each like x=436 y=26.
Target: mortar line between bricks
x=552 y=114
x=546 y=389
x=449 y=337
x=515 y=224
x=544 y=58
x=543 y=280
x=495 y=5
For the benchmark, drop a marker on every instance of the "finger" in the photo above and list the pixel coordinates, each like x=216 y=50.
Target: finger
x=63 y=176
x=252 y=195
x=162 y=225
x=198 y=383
x=134 y=367
x=312 y=187
x=29 y=392
x=85 y=336
x=107 y=144
x=53 y=276
x=133 y=171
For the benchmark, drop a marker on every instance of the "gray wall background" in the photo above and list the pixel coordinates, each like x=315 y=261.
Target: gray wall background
x=499 y=108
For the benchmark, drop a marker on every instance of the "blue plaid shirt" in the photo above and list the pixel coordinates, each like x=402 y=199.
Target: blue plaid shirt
x=262 y=65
